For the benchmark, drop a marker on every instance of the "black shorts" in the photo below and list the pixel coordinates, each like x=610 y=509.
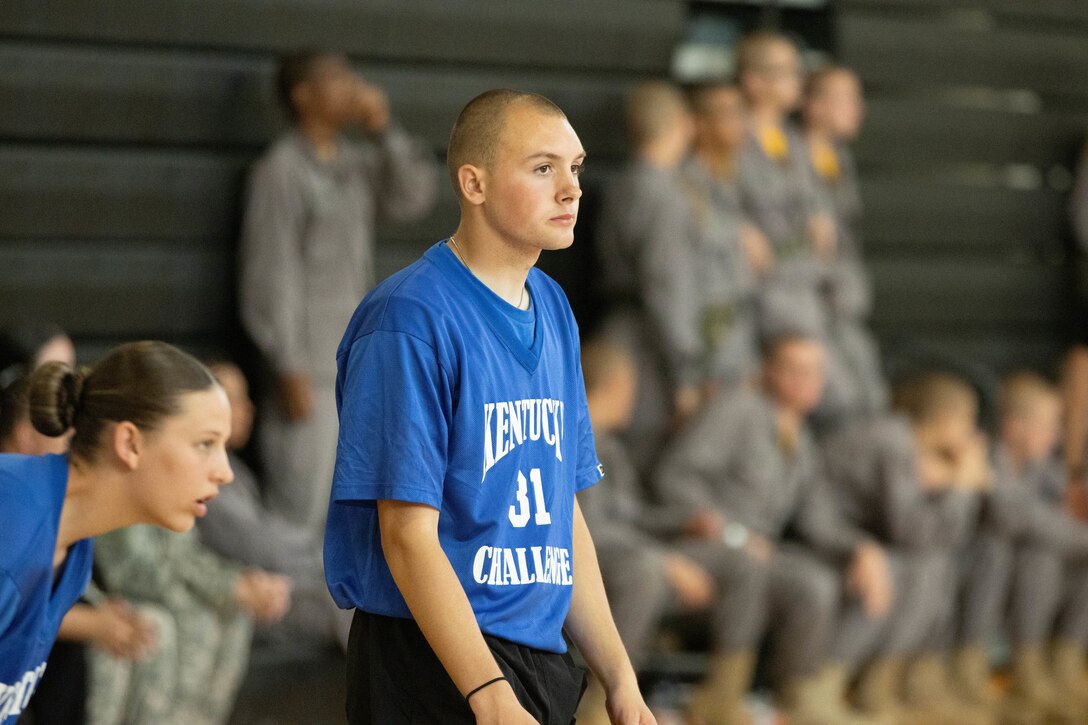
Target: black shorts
x=395 y=678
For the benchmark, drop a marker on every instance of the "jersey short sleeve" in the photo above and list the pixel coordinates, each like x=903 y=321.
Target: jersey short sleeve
x=393 y=435
x=589 y=470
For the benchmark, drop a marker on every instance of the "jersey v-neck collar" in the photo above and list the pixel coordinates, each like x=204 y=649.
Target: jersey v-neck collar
x=497 y=311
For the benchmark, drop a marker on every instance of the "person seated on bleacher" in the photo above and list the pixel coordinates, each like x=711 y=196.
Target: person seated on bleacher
x=645 y=577
x=1032 y=555
x=647 y=225
x=241 y=529
x=307 y=258
x=206 y=607
x=912 y=479
x=833 y=110
x=750 y=458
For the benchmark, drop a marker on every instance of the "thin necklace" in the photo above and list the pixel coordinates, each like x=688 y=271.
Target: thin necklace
x=457 y=251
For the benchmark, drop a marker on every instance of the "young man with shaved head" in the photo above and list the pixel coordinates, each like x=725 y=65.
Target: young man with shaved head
x=453 y=527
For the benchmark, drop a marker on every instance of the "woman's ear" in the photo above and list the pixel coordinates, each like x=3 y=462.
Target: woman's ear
x=128 y=444
x=471 y=181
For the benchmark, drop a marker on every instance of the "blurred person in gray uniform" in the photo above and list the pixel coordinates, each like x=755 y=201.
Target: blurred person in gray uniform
x=307 y=258
x=913 y=479
x=203 y=608
x=729 y=253
x=782 y=198
x=750 y=459
x=646 y=227
x=645 y=577
x=241 y=529
x=833 y=111
x=1032 y=555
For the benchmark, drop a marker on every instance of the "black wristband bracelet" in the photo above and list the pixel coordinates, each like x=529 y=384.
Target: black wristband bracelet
x=489 y=682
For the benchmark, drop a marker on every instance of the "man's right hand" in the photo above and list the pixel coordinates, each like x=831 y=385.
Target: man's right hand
x=692 y=583
x=705 y=525
x=297 y=396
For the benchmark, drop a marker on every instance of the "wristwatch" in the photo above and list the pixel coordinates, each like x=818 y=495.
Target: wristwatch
x=735 y=535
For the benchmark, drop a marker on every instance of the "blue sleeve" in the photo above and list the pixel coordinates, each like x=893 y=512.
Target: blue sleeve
x=9 y=602
x=589 y=467
x=395 y=411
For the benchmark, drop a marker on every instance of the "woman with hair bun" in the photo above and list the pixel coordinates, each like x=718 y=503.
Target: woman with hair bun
x=149 y=425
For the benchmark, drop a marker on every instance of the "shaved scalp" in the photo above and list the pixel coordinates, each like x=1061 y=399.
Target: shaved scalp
x=651 y=107
x=478 y=129
x=1022 y=392
x=751 y=52
x=817 y=81
x=700 y=95
x=931 y=394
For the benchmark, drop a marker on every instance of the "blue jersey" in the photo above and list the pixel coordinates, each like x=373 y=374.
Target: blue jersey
x=33 y=599
x=443 y=403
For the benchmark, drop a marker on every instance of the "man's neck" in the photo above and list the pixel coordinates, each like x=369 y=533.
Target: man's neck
x=718 y=160
x=660 y=155
x=1020 y=459
x=766 y=116
x=819 y=136
x=500 y=265
x=322 y=135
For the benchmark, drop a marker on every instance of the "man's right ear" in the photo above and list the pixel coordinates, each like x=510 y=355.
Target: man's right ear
x=471 y=181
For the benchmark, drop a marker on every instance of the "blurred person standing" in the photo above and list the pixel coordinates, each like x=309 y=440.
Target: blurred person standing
x=833 y=111
x=645 y=235
x=730 y=253
x=307 y=257
x=781 y=196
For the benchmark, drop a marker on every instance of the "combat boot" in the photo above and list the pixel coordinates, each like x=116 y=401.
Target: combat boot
x=820 y=700
x=925 y=688
x=1034 y=688
x=719 y=700
x=877 y=693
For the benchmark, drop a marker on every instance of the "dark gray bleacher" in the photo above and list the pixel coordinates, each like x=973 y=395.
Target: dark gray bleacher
x=978 y=109
x=126 y=129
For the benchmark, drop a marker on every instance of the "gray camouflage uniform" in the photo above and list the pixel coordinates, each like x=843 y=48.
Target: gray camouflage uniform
x=730 y=460
x=203 y=639
x=306 y=260
x=873 y=471
x=1031 y=555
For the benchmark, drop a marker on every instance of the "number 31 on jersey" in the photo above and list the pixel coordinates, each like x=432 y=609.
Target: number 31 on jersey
x=520 y=512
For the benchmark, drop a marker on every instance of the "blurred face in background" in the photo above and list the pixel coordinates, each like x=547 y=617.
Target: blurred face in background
x=837 y=106
x=775 y=81
x=58 y=349
x=720 y=122
x=330 y=92
x=793 y=375
x=236 y=387
x=952 y=430
x=1033 y=433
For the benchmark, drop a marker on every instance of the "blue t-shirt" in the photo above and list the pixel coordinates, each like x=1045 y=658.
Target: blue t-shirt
x=33 y=599
x=441 y=403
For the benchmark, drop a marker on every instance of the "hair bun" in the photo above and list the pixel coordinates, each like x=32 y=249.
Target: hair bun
x=55 y=392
